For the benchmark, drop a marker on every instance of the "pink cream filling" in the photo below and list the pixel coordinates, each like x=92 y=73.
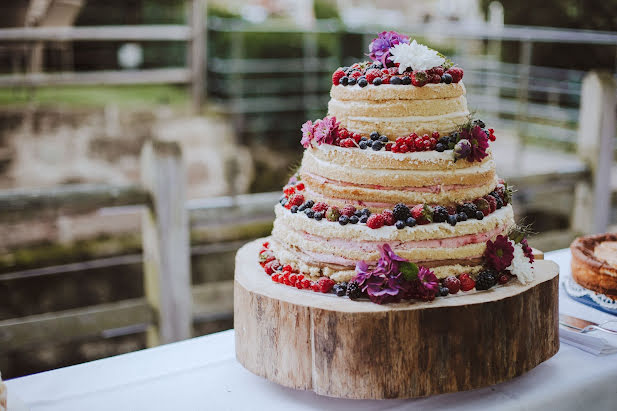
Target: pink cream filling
x=370 y=246
x=437 y=188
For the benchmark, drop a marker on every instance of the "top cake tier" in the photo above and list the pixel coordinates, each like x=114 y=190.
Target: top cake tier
x=398 y=110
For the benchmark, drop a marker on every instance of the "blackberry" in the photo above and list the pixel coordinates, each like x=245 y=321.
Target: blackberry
x=309 y=213
x=362 y=82
x=479 y=215
x=351 y=81
x=294 y=209
x=446 y=78
x=377 y=145
x=318 y=215
x=344 y=80
x=374 y=135
x=354 y=219
x=452 y=220
x=444 y=140
x=377 y=81
x=440 y=214
x=485 y=280
x=443 y=291
x=364 y=219
x=383 y=139
x=340 y=289
x=400 y=224
x=396 y=80
x=363 y=145
x=440 y=147
x=411 y=222
x=353 y=290
x=343 y=220
x=406 y=80
x=469 y=209
x=401 y=212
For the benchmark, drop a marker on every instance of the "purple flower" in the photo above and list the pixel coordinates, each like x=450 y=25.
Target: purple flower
x=462 y=149
x=388 y=260
x=326 y=130
x=380 y=46
x=307 y=134
x=479 y=144
x=429 y=284
x=384 y=282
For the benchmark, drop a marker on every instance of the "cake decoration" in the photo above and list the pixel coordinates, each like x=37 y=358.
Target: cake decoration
x=414 y=56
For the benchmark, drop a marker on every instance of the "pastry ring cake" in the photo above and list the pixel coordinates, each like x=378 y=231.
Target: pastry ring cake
x=397 y=197
x=594 y=263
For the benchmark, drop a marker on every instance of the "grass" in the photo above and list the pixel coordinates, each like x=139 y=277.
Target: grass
x=96 y=96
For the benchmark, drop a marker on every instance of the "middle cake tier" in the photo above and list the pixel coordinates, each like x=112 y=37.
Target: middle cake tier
x=379 y=180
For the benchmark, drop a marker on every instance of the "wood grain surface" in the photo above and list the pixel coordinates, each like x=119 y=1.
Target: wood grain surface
x=357 y=349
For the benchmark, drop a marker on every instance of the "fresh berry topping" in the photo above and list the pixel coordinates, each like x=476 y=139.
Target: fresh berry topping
x=375 y=221
x=422 y=213
x=294 y=209
x=467 y=283
x=400 y=224
x=343 y=220
x=396 y=80
x=440 y=214
x=483 y=206
x=411 y=222
x=365 y=211
x=343 y=81
x=419 y=78
x=401 y=212
x=348 y=210
x=503 y=278
x=383 y=139
x=406 y=80
x=356 y=75
x=348 y=143
x=300 y=186
x=491 y=202
x=377 y=81
x=388 y=217
x=362 y=82
x=333 y=213
x=436 y=70
x=377 y=145
x=452 y=220
x=374 y=136
x=440 y=147
x=295 y=200
x=461 y=217
x=318 y=216
x=456 y=73
x=340 y=289
x=309 y=213
x=469 y=209
x=479 y=215
x=336 y=77
x=321 y=207
x=351 y=81
x=443 y=291
x=453 y=284
x=354 y=291
x=363 y=145
x=485 y=280
x=354 y=219
x=372 y=74
x=325 y=284
x=446 y=78
x=364 y=219
x=435 y=78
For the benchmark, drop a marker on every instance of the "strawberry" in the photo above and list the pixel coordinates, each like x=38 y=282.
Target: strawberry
x=372 y=74
x=453 y=284
x=419 y=78
x=467 y=283
x=375 y=221
x=320 y=207
x=300 y=186
x=422 y=213
x=456 y=73
x=336 y=76
x=388 y=217
x=348 y=210
x=325 y=284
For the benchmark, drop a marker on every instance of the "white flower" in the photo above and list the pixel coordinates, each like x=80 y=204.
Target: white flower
x=414 y=55
x=520 y=266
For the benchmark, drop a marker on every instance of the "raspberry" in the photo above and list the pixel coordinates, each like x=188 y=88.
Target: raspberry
x=491 y=134
x=348 y=143
x=266 y=244
x=300 y=186
x=435 y=78
x=320 y=207
x=375 y=221
x=336 y=76
x=356 y=137
x=288 y=268
x=289 y=190
x=385 y=80
x=467 y=283
x=295 y=200
x=325 y=284
x=356 y=74
x=293 y=278
x=388 y=217
x=435 y=135
x=315 y=287
x=491 y=202
x=393 y=71
x=348 y=210
x=419 y=78
x=453 y=284
x=372 y=74
x=306 y=283
x=438 y=70
x=456 y=73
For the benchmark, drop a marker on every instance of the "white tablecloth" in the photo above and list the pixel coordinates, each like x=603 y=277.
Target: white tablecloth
x=202 y=374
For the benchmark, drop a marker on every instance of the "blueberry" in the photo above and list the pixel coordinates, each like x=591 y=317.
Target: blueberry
x=410 y=222
x=344 y=80
x=351 y=81
x=440 y=147
x=366 y=212
x=369 y=143
x=446 y=78
x=358 y=213
x=318 y=215
x=479 y=215
x=364 y=219
x=294 y=209
x=354 y=219
x=406 y=80
x=362 y=82
x=309 y=213
x=377 y=145
x=363 y=145
x=284 y=201
x=452 y=220
x=302 y=207
x=377 y=81
x=400 y=224
x=461 y=217
x=443 y=291
x=342 y=220
x=374 y=135
x=309 y=204
x=364 y=139
x=396 y=80
x=384 y=139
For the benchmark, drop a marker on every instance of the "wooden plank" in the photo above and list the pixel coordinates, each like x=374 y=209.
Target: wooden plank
x=167 y=272
x=72 y=324
x=197 y=54
x=103 y=77
x=77 y=198
x=226 y=210
x=160 y=32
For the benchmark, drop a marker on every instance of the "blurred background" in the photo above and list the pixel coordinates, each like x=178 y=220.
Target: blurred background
x=85 y=84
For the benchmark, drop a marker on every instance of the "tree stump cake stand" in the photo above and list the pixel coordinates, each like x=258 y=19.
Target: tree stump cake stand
x=356 y=349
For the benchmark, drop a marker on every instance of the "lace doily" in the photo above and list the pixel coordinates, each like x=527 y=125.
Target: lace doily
x=588 y=297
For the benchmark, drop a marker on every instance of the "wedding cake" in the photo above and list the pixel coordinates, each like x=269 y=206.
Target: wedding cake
x=397 y=197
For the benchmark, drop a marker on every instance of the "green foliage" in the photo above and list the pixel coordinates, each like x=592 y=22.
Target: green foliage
x=409 y=270
x=325 y=9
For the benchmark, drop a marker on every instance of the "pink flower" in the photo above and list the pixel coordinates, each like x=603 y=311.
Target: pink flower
x=500 y=253
x=527 y=250
x=478 y=141
x=307 y=134
x=325 y=130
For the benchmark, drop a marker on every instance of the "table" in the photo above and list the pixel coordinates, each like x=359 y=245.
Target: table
x=202 y=374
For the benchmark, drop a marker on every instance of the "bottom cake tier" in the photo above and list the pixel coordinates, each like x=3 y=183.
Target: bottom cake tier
x=356 y=349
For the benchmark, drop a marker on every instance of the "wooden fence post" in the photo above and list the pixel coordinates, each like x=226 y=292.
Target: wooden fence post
x=198 y=53
x=166 y=245
x=596 y=134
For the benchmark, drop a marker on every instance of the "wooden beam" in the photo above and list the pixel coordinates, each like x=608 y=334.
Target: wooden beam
x=198 y=54
x=161 y=32
x=104 y=77
x=22 y=204
x=225 y=210
x=72 y=324
x=167 y=273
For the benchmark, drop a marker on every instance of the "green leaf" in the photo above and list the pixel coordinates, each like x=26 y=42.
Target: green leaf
x=409 y=270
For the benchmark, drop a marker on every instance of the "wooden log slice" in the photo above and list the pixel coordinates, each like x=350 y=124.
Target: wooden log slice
x=356 y=349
